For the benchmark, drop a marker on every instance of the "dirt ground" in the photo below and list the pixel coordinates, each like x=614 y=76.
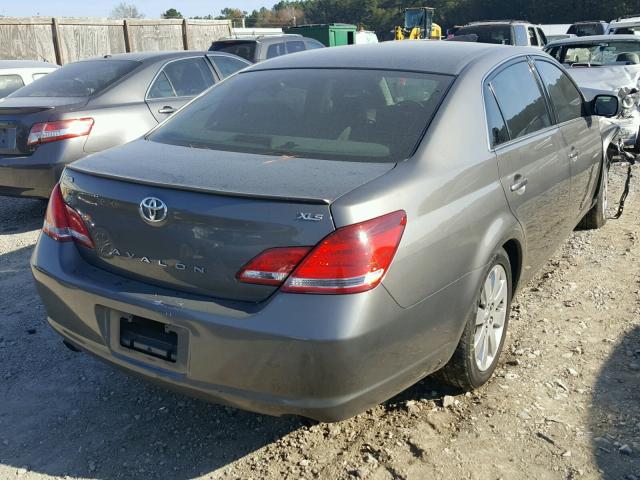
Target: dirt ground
x=564 y=404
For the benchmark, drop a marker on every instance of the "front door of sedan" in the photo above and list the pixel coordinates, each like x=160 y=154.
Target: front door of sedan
x=534 y=170
x=580 y=132
x=177 y=82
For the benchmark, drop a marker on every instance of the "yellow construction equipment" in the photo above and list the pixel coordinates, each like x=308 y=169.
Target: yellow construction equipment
x=418 y=23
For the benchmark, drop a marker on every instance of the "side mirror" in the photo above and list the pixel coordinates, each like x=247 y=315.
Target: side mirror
x=605 y=106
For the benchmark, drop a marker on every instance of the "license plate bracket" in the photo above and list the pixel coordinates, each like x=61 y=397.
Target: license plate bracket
x=7 y=138
x=149 y=337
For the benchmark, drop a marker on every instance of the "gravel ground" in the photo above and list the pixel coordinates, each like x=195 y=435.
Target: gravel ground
x=564 y=404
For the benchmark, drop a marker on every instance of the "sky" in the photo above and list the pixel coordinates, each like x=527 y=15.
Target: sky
x=102 y=8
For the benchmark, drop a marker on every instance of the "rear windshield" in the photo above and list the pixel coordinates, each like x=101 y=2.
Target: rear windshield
x=598 y=54
x=245 y=50
x=586 y=29
x=81 y=79
x=353 y=115
x=498 y=34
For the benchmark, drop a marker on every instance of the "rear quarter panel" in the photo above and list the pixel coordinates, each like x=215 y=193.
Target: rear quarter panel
x=457 y=213
x=117 y=124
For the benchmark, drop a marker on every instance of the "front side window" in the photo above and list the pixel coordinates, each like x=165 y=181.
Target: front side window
x=533 y=39
x=351 y=115
x=565 y=97
x=520 y=100
x=80 y=79
x=9 y=84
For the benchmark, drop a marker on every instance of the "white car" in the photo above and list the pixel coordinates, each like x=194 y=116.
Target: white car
x=624 y=26
x=607 y=64
x=15 y=74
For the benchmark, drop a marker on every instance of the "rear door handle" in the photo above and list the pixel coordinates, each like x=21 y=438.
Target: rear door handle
x=519 y=184
x=166 y=109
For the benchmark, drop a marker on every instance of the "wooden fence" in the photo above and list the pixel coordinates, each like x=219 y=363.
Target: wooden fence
x=64 y=40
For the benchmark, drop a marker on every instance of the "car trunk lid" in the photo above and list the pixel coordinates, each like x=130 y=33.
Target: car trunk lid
x=19 y=114
x=223 y=209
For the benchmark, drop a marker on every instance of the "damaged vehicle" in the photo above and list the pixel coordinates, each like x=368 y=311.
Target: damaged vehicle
x=607 y=64
x=314 y=235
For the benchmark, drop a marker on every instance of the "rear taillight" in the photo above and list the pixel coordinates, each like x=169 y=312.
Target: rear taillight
x=273 y=266
x=63 y=223
x=352 y=259
x=59 y=130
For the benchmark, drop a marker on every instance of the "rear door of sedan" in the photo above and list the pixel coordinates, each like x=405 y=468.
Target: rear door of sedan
x=534 y=169
x=177 y=82
x=580 y=131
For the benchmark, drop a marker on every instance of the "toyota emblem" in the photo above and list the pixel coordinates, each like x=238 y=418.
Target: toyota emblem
x=153 y=210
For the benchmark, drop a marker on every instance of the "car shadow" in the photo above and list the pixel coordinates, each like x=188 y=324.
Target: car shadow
x=614 y=417
x=20 y=215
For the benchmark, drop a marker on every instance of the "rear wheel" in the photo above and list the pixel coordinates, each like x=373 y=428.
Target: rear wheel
x=477 y=354
x=597 y=216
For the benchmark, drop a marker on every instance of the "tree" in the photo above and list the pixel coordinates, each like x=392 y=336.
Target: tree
x=231 y=14
x=172 y=13
x=126 y=10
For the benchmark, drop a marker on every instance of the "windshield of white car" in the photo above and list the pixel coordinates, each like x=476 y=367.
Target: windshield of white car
x=332 y=114
x=619 y=53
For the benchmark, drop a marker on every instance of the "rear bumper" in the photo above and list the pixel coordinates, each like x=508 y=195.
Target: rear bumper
x=35 y=175
x=21 y=177
x=324 y=357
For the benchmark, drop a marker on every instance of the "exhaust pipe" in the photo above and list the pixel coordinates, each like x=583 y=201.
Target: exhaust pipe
x=71 y=346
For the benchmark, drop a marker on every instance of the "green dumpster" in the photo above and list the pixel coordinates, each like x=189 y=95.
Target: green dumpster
x=330 y=34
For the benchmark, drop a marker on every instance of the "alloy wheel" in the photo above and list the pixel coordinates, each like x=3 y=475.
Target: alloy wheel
x=490 y=318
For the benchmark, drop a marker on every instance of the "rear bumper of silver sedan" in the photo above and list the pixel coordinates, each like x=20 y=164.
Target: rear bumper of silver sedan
x=326 y=357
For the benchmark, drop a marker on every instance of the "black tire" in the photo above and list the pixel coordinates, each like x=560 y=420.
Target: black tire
x=462 y=371
x=597 y=216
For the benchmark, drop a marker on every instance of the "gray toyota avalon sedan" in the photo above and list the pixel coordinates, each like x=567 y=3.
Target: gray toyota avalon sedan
x=322 y=230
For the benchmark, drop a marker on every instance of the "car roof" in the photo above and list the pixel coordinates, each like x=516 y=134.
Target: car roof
x=491 y=22
x=259 y=38
x=443 y=57
x=7 y=64
x=148 y=56
x=595 y=38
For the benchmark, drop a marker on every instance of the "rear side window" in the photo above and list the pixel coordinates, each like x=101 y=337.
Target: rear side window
x=295 y=46
x=350 y=115
x=188 y=78
x=161 y=87
x=80 y=79
x=276 y=50
x=9 y=84
x=498 y=133
x=246 y=50
x=520 y=100
x=313 y=44
x=228 y=65
x=36 y=76
x=565 y=97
